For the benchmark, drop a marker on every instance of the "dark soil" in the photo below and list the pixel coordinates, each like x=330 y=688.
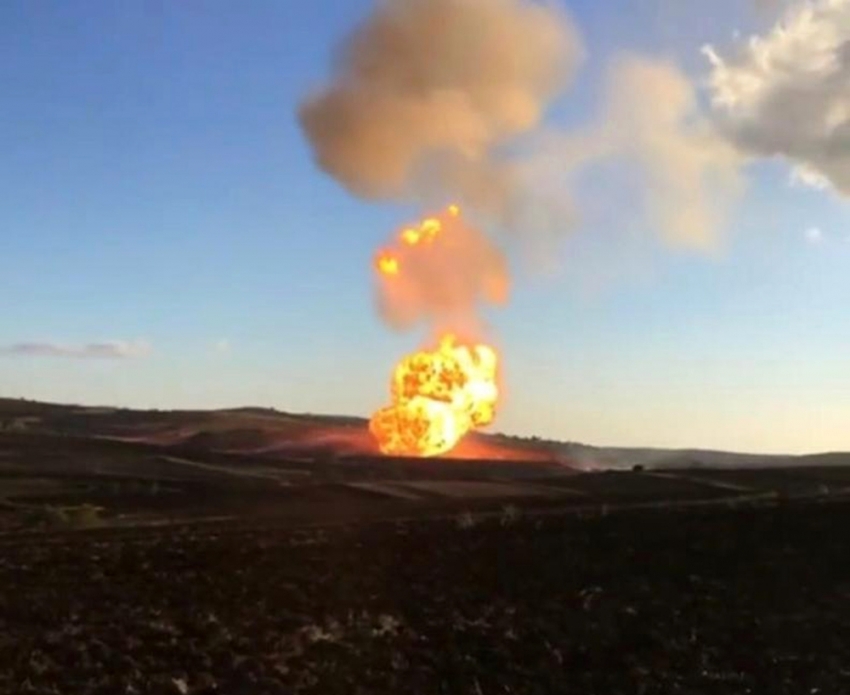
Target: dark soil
x=719 y=601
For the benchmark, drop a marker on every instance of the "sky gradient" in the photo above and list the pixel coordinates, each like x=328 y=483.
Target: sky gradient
x=159 y=192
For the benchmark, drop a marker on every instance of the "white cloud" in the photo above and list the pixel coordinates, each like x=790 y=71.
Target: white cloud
x=803 y=176
x=814 y=235
x=787 y=94
x=222 y=347
x=115 y=349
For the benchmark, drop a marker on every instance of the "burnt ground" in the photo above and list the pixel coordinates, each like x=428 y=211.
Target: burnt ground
x=193 y=573
x=722 y=600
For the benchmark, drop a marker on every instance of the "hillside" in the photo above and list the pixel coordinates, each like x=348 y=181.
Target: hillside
x=270 y=433
x=256 y=431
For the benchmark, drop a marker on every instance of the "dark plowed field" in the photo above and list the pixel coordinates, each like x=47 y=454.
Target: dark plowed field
x=719 y=601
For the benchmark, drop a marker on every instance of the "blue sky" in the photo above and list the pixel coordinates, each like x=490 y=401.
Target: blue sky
x=156 y=187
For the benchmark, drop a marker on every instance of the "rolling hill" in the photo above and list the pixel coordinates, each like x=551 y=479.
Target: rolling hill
x=271 y=433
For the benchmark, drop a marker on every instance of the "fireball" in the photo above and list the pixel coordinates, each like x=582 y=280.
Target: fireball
x=438 y=396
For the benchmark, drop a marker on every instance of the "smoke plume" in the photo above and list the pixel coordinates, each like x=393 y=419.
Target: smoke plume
x=691 y=174
x=426 y=92
x=439 y=100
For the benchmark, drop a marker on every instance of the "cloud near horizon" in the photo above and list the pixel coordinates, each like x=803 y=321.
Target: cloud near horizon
x=114 y=349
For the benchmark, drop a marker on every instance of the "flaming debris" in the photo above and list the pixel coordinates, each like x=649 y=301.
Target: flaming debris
x=387 y=263
x=438 y=273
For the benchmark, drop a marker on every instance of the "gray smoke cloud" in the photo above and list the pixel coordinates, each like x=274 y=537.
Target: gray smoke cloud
x=786 y=94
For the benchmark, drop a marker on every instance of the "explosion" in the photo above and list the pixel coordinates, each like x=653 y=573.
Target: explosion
x=437 y=397
x=436 y=271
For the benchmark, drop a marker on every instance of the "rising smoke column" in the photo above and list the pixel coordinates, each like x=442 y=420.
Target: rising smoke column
x=423 y=99
x=444 y=100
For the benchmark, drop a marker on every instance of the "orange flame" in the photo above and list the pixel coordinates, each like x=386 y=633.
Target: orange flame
x=386 y=263
x=427 y=231
x=438 y=396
